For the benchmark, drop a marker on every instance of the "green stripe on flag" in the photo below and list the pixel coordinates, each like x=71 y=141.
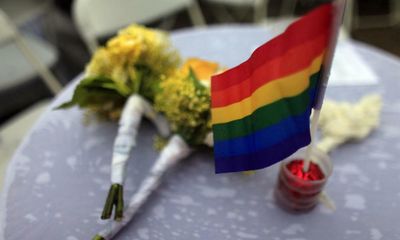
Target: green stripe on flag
x=267 y=115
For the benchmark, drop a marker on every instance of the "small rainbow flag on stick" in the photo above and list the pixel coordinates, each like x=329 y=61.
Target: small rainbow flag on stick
x=261 y=108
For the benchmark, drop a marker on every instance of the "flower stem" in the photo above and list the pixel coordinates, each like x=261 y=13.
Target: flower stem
x=119 y=205
x=114 y=198
x=174 y=151
x=98 y=237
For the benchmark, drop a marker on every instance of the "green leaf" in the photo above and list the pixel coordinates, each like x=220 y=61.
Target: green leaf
x=148 y=80
x=195 y=79
x=65 y=105
x=93 y=91
x=104 y=82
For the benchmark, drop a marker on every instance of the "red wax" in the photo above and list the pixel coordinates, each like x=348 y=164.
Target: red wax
x=314 y=172
x=299 y=190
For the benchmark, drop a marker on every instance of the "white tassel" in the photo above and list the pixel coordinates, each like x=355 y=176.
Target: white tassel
x=341 y=121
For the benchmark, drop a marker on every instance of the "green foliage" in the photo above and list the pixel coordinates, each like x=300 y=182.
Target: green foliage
x=94 y=91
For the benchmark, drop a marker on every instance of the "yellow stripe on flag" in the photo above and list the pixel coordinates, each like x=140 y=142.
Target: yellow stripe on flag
x=288 y=86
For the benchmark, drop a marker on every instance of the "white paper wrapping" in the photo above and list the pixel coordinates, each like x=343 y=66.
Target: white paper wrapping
x=209 y=139
x=134 y=109
x=174 y=151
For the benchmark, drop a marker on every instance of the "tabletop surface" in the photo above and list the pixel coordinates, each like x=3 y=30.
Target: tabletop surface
x=59 y=177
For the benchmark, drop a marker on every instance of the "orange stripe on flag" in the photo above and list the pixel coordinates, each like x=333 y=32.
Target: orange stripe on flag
x=292 y=61
x=288 y=86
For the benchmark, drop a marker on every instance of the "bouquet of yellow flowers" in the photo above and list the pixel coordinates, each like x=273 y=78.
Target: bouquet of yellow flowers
x=135 y=61
x=138 y=74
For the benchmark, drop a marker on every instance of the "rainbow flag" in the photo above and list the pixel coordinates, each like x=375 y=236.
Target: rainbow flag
x=261 y=108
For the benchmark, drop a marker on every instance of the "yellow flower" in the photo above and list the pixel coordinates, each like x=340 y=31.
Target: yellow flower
x=186 y=104
x=99 y=64
x=125 y=49
x=134 y=49
x=202 y=68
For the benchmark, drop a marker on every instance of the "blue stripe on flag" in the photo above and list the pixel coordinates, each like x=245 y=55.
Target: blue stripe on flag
x=263 y=138
x=264 y=157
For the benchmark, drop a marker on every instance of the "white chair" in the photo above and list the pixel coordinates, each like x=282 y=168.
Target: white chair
x=22 y=57
x=99 y=18
x=287 y=13
x=222 y=14
x=22 y=11
x=352 y=19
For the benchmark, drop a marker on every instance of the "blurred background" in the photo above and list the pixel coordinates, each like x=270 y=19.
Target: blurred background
x=44 y=44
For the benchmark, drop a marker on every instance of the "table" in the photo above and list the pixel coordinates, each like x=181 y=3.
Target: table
x=59 y=177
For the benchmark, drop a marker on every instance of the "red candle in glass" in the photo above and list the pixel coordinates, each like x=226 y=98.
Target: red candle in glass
x=297 y=190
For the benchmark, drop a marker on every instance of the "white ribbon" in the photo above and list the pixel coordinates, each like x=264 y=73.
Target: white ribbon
x=209 y=139
x=134 y=109
x=174 y=151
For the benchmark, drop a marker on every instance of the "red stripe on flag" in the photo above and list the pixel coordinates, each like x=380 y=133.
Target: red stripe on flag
x=291 y=62
x=303 y=30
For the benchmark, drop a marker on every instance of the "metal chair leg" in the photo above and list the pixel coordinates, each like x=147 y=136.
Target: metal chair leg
x=49 y=79
x=196 y=15
x=260 y=10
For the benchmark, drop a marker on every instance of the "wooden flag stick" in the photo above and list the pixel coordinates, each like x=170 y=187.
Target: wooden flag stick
x=323 y=82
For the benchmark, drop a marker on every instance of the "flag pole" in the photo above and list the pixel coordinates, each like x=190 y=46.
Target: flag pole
x=323 y=82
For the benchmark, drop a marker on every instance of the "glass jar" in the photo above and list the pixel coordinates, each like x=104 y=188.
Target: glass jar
x=297 y=194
